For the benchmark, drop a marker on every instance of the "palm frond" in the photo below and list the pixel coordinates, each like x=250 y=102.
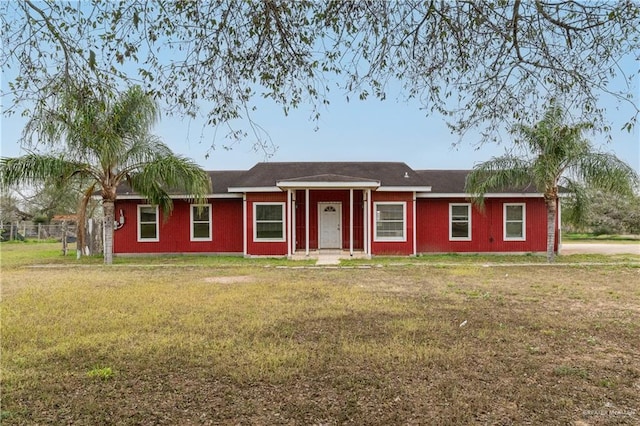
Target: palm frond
x=606 y=172
x=140 y=151
x=133 y=113
x=580 y=201
x=178 y=174
x=499 y=173
x=34 y=168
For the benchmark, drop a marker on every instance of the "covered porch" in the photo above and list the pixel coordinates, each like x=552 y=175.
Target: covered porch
x=329 y=216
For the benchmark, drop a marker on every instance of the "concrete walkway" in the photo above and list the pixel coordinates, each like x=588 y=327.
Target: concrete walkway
x=328 y=259
x=600 y=248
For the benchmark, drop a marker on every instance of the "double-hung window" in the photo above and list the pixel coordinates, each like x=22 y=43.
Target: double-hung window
x=390 y=221
x=515 y=222
x=268 y=221
x=460 y=222
x=148 y=230
x=200 y=222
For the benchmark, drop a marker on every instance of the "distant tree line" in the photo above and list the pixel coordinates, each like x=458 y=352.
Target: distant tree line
x=607 y=214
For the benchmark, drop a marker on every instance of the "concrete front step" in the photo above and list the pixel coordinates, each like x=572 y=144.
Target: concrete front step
x=329 y=257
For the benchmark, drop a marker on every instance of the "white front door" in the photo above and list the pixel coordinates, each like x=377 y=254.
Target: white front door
x=329 y=225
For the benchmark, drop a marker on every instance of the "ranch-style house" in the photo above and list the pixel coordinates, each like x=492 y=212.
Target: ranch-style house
x=361 y=209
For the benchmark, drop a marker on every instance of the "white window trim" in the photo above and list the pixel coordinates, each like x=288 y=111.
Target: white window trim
x=193 y=207
x=404 y=222
x=255 y=222
x=524 y=222
x=469 y=212
x=148 y=240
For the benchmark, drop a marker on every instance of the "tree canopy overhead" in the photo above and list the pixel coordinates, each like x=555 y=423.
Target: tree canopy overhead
x=481 y=64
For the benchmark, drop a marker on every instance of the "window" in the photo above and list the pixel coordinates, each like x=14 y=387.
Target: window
x=390 y=222
x=201 y=222
x=460 y=222
x=268 y=221
x=148 y=223
x=514 y=222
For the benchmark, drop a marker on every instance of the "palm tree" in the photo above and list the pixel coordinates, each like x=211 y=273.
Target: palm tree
x=553 y=156
x=108 y=142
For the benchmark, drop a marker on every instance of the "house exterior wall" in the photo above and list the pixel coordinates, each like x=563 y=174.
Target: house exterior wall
x=174 y=234
x=432 y=226
x=338 y=196
x=265 y=248
x=487 y=227
x=405 y=247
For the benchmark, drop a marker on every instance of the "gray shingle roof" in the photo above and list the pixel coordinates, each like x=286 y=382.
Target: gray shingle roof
x=387 y=173
x=221 y=180
x=453 y=182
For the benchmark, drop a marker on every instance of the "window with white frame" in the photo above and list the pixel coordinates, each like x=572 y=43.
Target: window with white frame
x=460 y=222
x=390 y=221
x=201 y=222
x=148 y=230
x=514 y=222
x=268 y=222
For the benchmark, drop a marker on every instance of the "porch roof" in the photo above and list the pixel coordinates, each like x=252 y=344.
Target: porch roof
x=328 y=181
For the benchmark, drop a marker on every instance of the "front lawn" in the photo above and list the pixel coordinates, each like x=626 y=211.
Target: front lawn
x=255 y=343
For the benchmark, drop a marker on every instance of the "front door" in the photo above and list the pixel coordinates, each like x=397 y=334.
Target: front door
x=329 y=225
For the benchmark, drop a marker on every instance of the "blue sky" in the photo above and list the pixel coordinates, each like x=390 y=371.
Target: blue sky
x=368 y=130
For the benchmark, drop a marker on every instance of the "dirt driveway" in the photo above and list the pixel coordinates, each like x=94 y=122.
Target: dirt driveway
x=600 y=248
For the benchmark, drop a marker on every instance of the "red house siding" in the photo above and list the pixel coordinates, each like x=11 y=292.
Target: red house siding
x=432 y=225
x=174 y=233
x=338 y=196
x=487 y=227
x=265 y=248
x=393 y=247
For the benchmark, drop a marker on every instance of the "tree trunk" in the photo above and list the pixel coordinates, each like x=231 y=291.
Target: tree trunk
x=64 y=238
x=109 y=217
x=551 y=229
x=82 y=219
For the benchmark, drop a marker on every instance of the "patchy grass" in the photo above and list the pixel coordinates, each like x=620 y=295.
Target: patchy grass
x=17 y=254
x=491 y=259
x=245 y=344
x=618 y=239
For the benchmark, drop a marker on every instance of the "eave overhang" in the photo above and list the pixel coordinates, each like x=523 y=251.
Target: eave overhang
x=173 y=197
x=420 y=189
x=242 y=189
x=488 y=195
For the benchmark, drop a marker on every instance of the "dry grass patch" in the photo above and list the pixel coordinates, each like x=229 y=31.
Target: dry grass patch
x=541 y=345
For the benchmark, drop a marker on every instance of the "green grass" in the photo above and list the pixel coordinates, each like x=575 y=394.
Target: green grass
x=242 y=343
x=18 y=254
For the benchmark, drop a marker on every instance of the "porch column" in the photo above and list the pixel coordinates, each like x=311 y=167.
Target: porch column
x=367 y=243
x=415 y=222
x=290 y=218
x=351 y=221
x=306 y=220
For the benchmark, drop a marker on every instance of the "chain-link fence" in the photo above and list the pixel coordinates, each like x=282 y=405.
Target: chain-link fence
x=37 y=231
x=20 y=231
